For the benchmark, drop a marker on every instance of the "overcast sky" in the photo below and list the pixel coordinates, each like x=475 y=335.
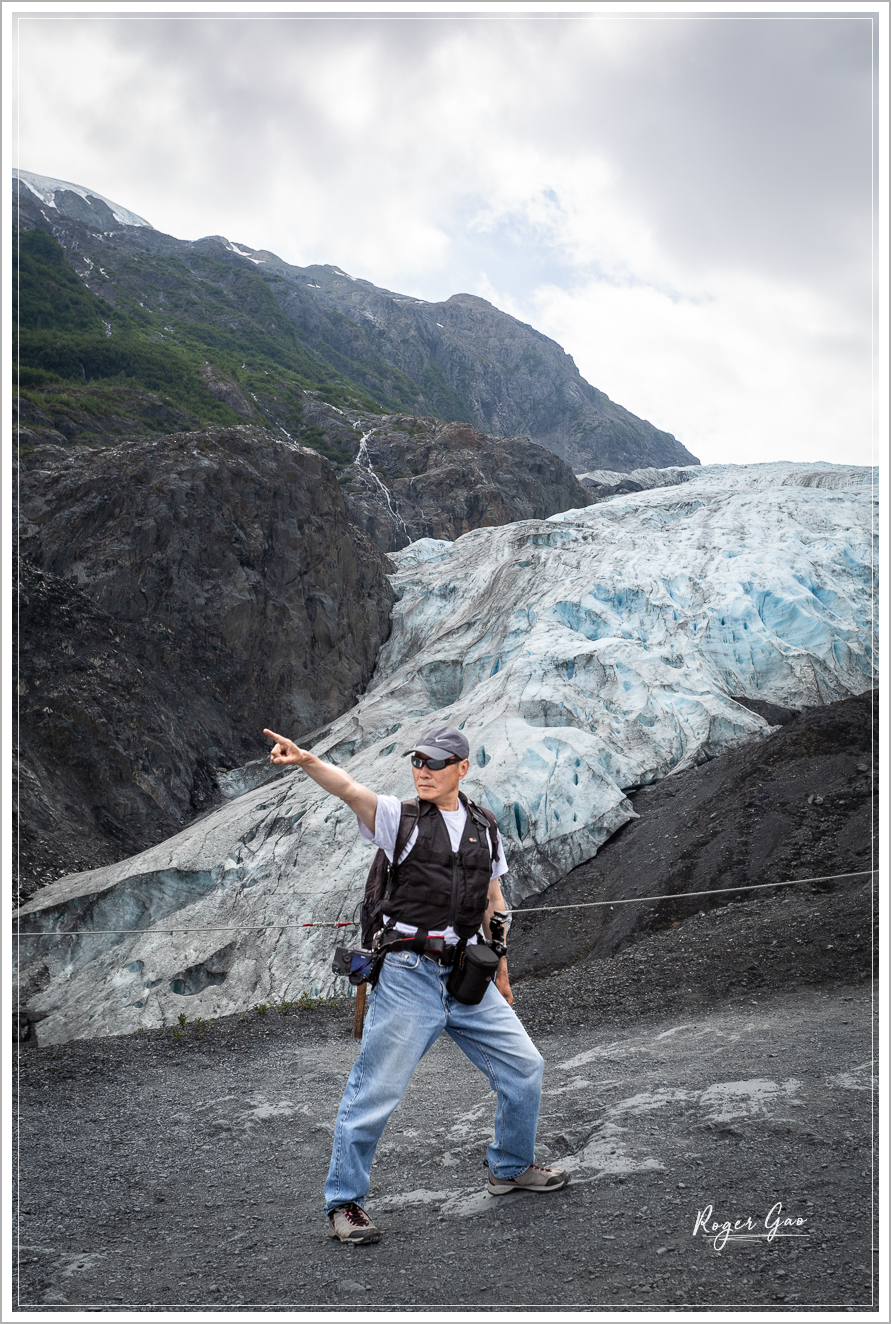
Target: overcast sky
x=683 y=202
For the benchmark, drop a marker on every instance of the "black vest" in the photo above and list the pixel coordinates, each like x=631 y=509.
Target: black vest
x=434 y=887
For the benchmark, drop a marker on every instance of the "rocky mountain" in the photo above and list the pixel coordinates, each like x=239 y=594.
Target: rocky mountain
x=413 y=478
x=504 y=376
x=176 y=595
x=269 y=331
x=587 y=656
x=91 y=369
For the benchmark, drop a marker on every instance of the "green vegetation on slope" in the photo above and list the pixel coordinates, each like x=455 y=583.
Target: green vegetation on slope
x=169 y=321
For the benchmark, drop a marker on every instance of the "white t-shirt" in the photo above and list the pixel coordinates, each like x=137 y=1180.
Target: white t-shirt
x=386 y=827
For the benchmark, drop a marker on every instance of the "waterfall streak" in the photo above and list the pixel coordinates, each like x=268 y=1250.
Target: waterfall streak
x=363 y=461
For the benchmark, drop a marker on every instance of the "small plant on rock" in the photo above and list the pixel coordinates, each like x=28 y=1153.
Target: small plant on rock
x=183 y=1020
x=261 y=1008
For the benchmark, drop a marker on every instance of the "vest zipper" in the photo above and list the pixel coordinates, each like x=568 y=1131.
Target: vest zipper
x=454 y=913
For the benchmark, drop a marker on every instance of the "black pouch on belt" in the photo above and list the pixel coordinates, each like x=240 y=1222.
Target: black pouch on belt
x=472 y=973
x=357 y=966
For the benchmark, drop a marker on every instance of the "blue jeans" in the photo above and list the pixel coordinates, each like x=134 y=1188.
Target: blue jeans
x=407 y=1012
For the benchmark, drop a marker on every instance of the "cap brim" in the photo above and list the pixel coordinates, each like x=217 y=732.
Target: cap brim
x=432 y=753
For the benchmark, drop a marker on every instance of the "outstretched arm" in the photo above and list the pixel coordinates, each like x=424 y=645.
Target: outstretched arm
x=333 y=780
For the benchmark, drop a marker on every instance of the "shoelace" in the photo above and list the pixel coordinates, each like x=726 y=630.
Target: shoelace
x=353 y=1214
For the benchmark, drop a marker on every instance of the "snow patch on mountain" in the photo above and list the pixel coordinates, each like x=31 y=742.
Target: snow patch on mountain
x=46 y=188
x=582 y=655
x=242 y=252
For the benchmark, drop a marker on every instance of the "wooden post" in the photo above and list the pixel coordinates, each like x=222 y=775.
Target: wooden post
x=359 y=1012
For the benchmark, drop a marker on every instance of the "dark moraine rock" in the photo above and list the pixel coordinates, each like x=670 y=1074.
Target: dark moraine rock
x=178 y=594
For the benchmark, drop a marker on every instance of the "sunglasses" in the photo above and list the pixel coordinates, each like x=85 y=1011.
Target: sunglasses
x=435 y=765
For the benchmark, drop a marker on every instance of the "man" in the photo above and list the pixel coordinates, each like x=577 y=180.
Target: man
x=446 y=887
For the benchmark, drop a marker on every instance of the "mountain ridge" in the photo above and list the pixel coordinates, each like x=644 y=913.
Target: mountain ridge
x=459 y=360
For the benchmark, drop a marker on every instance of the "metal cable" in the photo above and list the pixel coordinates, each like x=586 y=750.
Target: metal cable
x=178 y=928
x=526 y=910
x=671 y=896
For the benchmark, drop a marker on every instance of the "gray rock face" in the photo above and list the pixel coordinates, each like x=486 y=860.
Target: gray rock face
x=419 y=478
x=179 y=594
x=60 y=422
x=477 y=364
x=223 y=388
x=116 y=745
x=603 y=483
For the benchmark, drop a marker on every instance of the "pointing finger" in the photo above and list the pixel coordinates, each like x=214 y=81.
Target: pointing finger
x=281 y=740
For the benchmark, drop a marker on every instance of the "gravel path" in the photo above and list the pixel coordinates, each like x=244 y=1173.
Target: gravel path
x=186 y=1174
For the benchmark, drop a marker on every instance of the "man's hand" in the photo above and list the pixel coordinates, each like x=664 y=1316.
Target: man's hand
x=284 y=751
x=331 y=779
x=502 y=983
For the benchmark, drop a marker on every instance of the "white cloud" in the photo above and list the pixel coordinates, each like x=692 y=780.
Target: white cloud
x=753 y=371
x=683 y=205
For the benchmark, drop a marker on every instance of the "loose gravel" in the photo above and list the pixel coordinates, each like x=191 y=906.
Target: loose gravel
x=683 y=1081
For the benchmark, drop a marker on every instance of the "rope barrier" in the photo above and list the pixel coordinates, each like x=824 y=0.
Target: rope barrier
x=671 y=896
x=177 y=928
x=525 y=910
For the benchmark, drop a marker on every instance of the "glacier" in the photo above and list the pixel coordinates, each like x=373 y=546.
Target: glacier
x=582 y=655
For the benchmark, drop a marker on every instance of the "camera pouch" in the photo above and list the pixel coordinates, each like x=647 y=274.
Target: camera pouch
x=472 y=973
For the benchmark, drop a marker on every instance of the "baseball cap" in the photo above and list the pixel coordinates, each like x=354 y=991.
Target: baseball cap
x=441 y=742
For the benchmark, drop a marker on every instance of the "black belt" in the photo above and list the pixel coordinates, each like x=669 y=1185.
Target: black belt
x=435 y=949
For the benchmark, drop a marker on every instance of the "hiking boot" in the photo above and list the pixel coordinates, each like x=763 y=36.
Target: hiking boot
x=535 y=1178
x=349 y=1222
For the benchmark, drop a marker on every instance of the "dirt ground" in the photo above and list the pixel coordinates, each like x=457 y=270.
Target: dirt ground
x=681 y=1085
